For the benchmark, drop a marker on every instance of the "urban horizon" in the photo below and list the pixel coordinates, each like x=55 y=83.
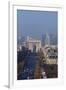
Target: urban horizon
x=37 y=44
x=36 y=23
x=52 y=37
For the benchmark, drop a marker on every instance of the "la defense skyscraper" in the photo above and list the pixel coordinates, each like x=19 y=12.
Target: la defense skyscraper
x=47 y=39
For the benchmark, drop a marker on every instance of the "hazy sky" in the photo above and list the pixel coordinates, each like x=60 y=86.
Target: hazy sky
x=36 y=23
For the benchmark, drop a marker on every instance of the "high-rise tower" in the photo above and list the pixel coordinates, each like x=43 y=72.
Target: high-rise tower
x=47 y=39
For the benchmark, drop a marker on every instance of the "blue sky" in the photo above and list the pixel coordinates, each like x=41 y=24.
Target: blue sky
x=35 y=23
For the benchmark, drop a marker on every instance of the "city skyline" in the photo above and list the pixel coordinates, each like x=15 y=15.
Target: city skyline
x=37 y=49
x=36 y=23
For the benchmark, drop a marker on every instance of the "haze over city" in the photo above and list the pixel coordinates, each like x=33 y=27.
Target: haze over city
x=36 y=23
x=37 y=47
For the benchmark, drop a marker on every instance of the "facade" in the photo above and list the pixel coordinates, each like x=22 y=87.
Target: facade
x=33 y=44
x=51 y=54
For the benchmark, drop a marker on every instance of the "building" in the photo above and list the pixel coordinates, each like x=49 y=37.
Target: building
x=33 y=44
x=20 y=46
x=51 y=54
x=43 y=39
x=47 y=39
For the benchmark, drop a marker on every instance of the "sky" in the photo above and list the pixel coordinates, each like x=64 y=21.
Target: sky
x=36 y=23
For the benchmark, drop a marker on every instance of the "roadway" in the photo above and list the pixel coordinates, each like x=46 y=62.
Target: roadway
x=29 y=67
